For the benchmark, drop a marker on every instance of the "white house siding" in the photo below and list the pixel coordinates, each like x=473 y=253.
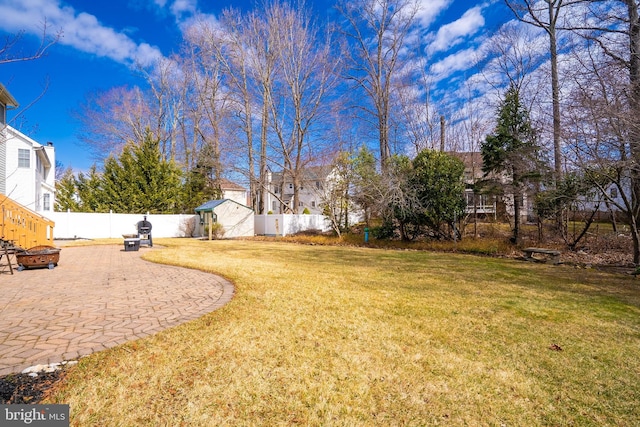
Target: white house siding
x=29 y=186
x=314 y=186
x=239 y=196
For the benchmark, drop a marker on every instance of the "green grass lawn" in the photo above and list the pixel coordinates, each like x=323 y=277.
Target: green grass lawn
x=322 y=335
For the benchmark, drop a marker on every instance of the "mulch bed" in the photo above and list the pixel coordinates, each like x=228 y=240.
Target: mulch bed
x=22 y=388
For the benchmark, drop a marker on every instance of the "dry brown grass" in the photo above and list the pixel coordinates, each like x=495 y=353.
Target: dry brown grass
x=325 y=335
x=483 y=246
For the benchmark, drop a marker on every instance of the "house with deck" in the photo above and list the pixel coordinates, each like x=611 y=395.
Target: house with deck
x=483 y=203
x=27 y=168
x=27 y=184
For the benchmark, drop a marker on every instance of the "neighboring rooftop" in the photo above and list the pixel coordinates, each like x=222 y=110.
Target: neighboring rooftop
x=225 y=184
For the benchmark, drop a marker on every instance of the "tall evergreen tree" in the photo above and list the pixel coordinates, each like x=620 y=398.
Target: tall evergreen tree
x=199 y=186
x=67 y=193
x=115 y=190
x=512 y=151
x=140 y=180
x=89 y=191
x=156 y=180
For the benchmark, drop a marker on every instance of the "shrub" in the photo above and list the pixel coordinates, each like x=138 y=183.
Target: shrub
x=383 y=232
x=217 y=231
x=188 y=227
x=306 y=211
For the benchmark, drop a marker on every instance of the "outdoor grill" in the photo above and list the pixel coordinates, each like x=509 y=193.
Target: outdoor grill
x=144 y=232
x=132 y=242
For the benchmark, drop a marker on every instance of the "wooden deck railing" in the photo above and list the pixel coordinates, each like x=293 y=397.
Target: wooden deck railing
x=24 y=227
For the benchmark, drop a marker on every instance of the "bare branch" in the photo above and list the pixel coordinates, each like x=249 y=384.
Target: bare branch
x=8 y=52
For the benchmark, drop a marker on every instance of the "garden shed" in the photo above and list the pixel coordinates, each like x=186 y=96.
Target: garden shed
x=235 y=219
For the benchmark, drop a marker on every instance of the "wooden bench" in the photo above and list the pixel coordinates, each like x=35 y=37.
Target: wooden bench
x=552 y=254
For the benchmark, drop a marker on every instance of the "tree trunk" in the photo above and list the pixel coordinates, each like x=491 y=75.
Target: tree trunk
x=516 y=213
x=634 y=128
x=555 y=90
x=263 y=154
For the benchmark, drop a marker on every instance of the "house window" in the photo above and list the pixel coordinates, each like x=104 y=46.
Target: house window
x=290 y=186
x=300 y=204
x=273 y=206
x=46 y=202
x=275 y=189
x=318 y=185
x=614 y=193
x=313 y=203
x=24 y=158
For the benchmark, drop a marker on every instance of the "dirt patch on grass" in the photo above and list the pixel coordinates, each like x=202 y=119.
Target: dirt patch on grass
x=25 y=389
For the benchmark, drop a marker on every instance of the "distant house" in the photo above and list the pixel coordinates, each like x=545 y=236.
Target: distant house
x=237 y=220
x=27 y=168
x=313 y=185
x=481 y=202
x=608 y=202
x=233 y=191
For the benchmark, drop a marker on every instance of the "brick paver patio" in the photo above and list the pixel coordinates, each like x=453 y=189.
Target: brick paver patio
x=96 y=298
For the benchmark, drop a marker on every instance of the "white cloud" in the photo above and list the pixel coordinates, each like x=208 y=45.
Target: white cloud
x=429 y=11
x=81 y=31
x=459 y=61
x=452 y=34
x=180 y=8
x=185 y=13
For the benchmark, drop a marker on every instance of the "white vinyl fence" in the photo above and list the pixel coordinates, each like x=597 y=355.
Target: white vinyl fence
x=286 y=224
x=71 y=225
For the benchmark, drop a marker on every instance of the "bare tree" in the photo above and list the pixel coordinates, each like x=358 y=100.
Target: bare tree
x=378 y=31
x=109 y=119
x=249 y=51
x=233 y=52
x=165 y=103
x=513 y=57
x=298 y=100
x=417 y=113
x=211 y=102
x=605 y=128
x=469 y=132
x=120 y=115
x=9 y=51
x=545 y=14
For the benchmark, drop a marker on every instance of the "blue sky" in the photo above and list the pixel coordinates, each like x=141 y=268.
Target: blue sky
x=102 y=39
